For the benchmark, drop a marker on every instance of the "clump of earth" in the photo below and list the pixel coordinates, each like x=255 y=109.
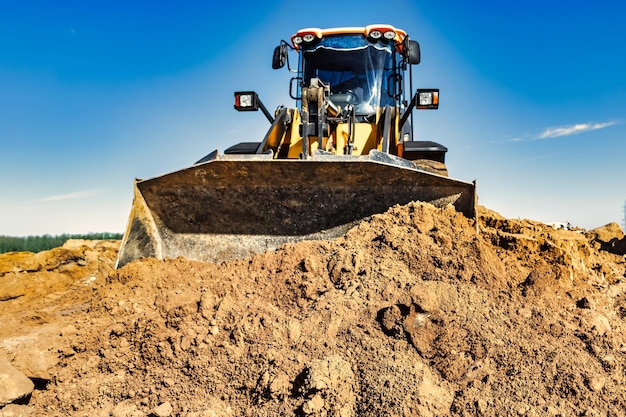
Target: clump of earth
x=415 y=312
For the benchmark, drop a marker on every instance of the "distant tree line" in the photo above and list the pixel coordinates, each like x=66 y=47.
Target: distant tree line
x=47 y=242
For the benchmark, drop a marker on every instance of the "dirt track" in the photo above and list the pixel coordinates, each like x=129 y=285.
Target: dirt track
x=417 y=312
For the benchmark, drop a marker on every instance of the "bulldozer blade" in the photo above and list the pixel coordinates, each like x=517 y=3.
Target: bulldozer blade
x=234 y=206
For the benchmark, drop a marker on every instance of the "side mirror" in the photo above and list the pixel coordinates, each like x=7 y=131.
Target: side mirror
x=412 y=52
x=280 y=56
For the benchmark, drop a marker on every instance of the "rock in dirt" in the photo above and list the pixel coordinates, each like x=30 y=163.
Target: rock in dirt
x=329 y=388
x=126 y=408
x=14 y=385
x=163 y=410
x=14 y=410
x=609 y=238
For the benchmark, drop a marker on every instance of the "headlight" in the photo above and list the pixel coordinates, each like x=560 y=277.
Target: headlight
x=376 y=34
x=308 y=35
x=386 y=33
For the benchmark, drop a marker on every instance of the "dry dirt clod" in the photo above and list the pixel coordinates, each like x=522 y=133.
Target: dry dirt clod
x=15 y=385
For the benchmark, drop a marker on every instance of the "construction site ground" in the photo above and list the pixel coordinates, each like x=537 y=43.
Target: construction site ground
x=419 y=311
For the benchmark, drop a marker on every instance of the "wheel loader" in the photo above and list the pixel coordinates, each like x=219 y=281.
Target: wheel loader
x=343 y=153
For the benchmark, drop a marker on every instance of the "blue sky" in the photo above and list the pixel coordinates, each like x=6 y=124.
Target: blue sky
x=95 y=94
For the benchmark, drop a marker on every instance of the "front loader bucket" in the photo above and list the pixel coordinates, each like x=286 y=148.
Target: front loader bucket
x=237 y=205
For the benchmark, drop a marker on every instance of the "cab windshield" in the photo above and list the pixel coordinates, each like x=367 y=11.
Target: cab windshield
x=357 y=70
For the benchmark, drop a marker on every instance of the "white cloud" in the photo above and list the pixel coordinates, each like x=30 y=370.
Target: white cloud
x=69 y=196
x=556 y=132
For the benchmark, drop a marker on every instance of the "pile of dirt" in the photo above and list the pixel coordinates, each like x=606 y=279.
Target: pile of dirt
x=415 y=312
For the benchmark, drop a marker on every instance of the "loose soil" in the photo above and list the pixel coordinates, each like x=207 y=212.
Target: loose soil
x=415 y=312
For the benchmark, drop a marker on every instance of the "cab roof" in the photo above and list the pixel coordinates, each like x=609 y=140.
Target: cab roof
x=373 y=32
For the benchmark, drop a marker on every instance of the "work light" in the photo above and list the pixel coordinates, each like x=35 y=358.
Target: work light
x=376 y=34
x=427 y=98
x=246 y=101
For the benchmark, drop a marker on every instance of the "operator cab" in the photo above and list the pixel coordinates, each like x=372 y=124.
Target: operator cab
x=350 y=96
x=359 y=72
x=363 y=66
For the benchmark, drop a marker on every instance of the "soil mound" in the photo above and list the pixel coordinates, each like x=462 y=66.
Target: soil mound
x=415 y=312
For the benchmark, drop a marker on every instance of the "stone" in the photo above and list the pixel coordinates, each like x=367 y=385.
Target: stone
x=14 y=410
x=313 y=405
x=15 y=385
x=610 y=237
x=607 y=232
x=126 y=408
x=164 y=410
